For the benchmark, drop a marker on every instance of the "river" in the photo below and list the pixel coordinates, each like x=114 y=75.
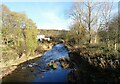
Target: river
x=38 y=70
x=50 y=75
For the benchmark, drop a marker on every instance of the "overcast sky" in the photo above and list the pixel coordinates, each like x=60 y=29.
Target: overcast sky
x=46 y=15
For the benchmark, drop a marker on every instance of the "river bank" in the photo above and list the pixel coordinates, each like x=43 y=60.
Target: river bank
x=7 y=64
x=94 y=66
x=88 y=65
x=14 y=64
x=37 y=70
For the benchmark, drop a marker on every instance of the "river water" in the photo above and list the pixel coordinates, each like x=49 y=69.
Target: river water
x=48 y=74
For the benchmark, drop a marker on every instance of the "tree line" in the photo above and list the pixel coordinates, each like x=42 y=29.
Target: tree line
x=93 y=23
x=18 y=32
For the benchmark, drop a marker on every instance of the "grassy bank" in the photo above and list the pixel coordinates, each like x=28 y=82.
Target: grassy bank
x=94 y=64
x=10 y=58
x=11 y=64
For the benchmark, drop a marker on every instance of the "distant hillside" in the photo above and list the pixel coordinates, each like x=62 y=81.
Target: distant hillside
x=53 y=33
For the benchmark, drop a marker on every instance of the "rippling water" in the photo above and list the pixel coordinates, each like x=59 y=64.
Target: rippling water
x=49 y=75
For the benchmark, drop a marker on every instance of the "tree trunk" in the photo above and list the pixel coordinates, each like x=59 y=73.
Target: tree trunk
x=89 y=37
x=89 y=15
x=115 y=46
x=24 y=39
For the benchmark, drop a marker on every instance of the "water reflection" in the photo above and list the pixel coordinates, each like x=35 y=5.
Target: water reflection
x=58 y=75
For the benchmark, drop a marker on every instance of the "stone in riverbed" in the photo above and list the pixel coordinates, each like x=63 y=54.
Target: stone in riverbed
x=64 y=65
x=54 y=66
x=30 y=65
x=23 y=67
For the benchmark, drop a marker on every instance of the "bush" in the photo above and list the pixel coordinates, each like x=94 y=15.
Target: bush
x=38 y=50
x=7 y=56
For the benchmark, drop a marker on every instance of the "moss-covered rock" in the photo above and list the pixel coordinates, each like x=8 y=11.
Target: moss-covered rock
x=54 y=66
x=64 y=64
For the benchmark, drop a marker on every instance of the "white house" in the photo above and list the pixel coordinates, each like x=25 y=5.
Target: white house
x=42 y=37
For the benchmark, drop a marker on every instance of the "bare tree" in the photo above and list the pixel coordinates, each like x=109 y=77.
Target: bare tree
x=106 y=16
x=86 y=13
